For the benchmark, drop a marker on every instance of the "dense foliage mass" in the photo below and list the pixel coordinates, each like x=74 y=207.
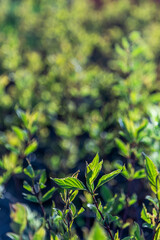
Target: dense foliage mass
x=77 y=78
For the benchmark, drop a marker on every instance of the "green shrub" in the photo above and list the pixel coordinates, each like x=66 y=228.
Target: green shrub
x=87 y=80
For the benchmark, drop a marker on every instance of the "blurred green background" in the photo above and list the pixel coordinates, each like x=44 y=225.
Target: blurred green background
x=83 y=65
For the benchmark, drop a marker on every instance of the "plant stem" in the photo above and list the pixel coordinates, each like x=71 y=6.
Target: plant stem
x=157 y=221
x=106 y=225
x=42 y=208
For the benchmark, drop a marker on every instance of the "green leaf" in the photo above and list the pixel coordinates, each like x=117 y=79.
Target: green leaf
x=147 y=225
x=158 y=187
x=151 y=172
x=22 y=115
x=73 y=209
x=108 y=177
x=92 y=171
x=137 y=232
x=40 y=234
x=139 y=174
x=69 y=183
x=124 y=172
x=81 y=210
x=19 y=216
x=94 y=166
x=48 y=195
x=111 y=218
x=133 y=200
x=116 y=237
x=43 y=177
x=145 y=215
x=122 y=147
x=63 y=194
x=12 y=149
x=157 y=235
x=29 y=171
x=142 y=127
x=97 y=232
x=30 y=197
x=13 y=236
x=73 y=195
x=128 y=238
x=31 y=148
x=27 y=186
x=152 y=200
x=19 y=132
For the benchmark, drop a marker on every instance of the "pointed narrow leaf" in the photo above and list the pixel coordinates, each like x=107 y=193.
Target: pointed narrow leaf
x=137 y=232
x=29 y=171
x=145 y=215
x=48 y=195
x=43 y=177
x=27 y=186
x=157 y=235
x=158 y=187
x=151 y=172
x=116 y=236
x=40 y=234
x=69 y=183
x=73 y=209
x=13 y=236
x=122 y=147
x=97 y=232
x=139 y=174
x=23 y=116
x=108 y=177
x=30 y=197
x=92 y=171
x=81 y=210
x=73 y=195
x=19 y=132
x=31 y=148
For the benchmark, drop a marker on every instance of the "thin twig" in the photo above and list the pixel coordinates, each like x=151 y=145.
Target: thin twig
x=106 y=225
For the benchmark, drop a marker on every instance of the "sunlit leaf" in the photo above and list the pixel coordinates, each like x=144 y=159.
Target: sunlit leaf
x=69 y=183
x=151 y=172
x=108 y=177
x=19 y=216
x=31 y=148
x=40 y=234
x=27 y=186
x=97 y=232
x=145 y=215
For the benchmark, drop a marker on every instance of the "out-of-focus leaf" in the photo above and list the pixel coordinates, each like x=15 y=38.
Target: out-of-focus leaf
x=97 y=232
x=31 y=148
x=48 y=195
x=13 y=236
x=40 y=234
x=30 y=197
x=19 y=216
x=19 y=132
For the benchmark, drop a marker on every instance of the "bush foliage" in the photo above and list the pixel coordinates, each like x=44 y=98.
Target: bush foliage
x=77 y=80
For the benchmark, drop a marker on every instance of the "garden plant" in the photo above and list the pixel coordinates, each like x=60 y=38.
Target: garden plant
x=79 y=82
